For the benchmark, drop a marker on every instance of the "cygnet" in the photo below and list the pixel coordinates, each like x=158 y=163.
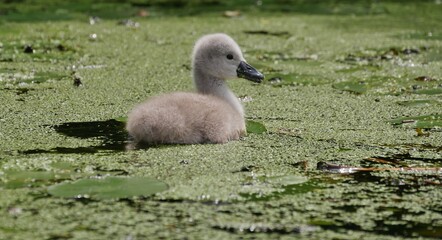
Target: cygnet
x=212 y=115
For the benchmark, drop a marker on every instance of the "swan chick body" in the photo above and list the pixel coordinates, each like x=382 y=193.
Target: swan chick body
x=212 y=115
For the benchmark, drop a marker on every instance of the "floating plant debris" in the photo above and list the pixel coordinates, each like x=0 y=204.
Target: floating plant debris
x=425 y=79
x=419 y=102
x=129 y=23
x=232 y=14
x=94 y=20
x=77 y=81
x=347 y=169
x=372 y=55
x=408 y=51
x=28 y=49
x=423 y=122
x=108 y=188
x=421 y=133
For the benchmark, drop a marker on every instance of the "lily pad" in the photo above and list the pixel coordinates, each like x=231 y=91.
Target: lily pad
x=425 y=121
x=287 y=180
x=294 y=79
x=354 y=87
x=108 y=188
x=17 y=179
x=255 y=127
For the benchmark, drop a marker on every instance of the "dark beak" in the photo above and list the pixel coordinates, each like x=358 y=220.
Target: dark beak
x=248 y=72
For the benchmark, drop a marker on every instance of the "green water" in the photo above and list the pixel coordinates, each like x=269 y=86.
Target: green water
x=350 y=85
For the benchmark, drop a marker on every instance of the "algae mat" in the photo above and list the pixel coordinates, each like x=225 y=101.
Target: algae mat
x=351 y=104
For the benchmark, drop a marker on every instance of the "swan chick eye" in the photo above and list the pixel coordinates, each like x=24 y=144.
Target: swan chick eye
x=229 y=56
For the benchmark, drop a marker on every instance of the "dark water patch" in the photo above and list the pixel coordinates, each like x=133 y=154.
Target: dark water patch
x=250 y=228
x=268 y=33
x=19 y=91
x=425 y=79
x=396 y=225
x=248 y=168
x=291 y=187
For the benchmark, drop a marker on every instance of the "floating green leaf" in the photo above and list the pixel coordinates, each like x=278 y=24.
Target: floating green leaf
x=431 y=91
x=354 y=87
x=425 y=121
x=17 y=179
x=294 y=79
x=255 y=127
x=108 y=188
x=121 y=119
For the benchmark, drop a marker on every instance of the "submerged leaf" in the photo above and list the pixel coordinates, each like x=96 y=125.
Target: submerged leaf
x=109 y=188
x=255 y=127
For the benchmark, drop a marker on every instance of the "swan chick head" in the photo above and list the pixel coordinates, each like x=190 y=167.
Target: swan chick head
x=220 y=56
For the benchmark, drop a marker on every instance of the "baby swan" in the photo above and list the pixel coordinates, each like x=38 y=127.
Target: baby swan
x=212 y=115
